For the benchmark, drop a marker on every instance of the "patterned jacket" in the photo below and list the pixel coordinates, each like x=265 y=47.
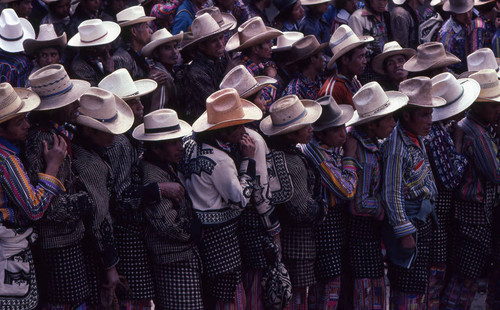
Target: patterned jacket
x=129 y=59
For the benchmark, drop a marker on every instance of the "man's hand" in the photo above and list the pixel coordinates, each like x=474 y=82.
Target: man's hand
x=350 y=146
x=55 y=156
x=407 y=242
x=247 y=146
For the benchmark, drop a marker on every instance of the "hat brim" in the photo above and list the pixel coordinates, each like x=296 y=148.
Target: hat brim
x=144 y=87
x=148 y=49
x=229 y=19
x=347 y=48
x=276 y=49
x=143 y=19
x=318 y=49
x=470 y=94
x=31 y=45
x=140 y=134
x=347 y=114
x=191 y=41
x=313 y=112
x=413 y=65
x=56 y=102
x=457 y=9
x=378 y=61
x=233 y=44
x=436 y=102
x=250 y=110
x=113 y=32
x=122 y=123
x=17 y=45
x=397 y=101
x=262 y=81
x=30 y=102
x=313 y=2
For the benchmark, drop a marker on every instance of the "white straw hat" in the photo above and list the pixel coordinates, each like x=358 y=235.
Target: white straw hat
x=344 y=40
x=220 y=17
x=390 y=49
x=15 y=101
x=284 y=42
x=46 y=37
x=162 y=124
x=202 y=28
x=489 y=83
x=481 y=59
x=13 y=31
x=458 y=6
x=430 y=55
x=121 y=84
x=132 y=15
x=245 y=83
x=251 y=33
x=94 y=32
x=158 y=38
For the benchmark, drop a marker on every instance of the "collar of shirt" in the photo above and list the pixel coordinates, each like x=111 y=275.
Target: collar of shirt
x=365 y=141
x=8 y=146
x=406 y=138
x=350 y=84
x=343 y=15
x=455 y=25
x=307 y=81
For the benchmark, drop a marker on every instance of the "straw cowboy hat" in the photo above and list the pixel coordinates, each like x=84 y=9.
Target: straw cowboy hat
x=343 y=40
x=220 y=17
x=482 y=2
x=13 y=31
x=46 y=37
x=101 y=110
x=289 y=114
x=430 y=55
x=15 y=101
x=158 y=38
x=304 y=48
x=93 y=32
x=481 y=59
x=202 y=28
x=225 y=108
x=490 y=85
x=251 y=33
x=372 y=102
x=458 y=6
x=332 y=114
x=437 y=2
x=163 y=124
x=313 y=2
x=283 y=4
x=418 y=90
x=245 y=84
x=132 y=15
x=459 y=95
x=390 y=49
x=284 y=42
x=54 y=87
x=121 y=84
x=399 y=2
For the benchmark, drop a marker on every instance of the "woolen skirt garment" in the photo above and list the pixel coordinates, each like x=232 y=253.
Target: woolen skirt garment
x=331 y=244
x=440 y=239
x=251 y=235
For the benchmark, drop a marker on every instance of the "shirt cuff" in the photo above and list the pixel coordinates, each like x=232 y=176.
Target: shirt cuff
x=350 y=163
x=404 y=229
x=50 y=183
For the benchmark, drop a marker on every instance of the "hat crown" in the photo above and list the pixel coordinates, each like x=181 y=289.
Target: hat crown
x=251 y=28
x=240 y=79
x=10 y=25
x=482 y=59
x=446 y=86
x=330 y=111
x=430 y=51
x=391 y=46
x=460 y=6
x=204 y=25
x=9 y=100
x=92 y=30
x=488 y=80
x=165 y=119
x=304 y=46
x=119 y=83
x=223 y=105
x=370 y=99
x=161 y=34
x=98 y=104
x=342 y=37
x=131 y=13
x=287 y=110
x=50 y=81
x=214 y=12
x=418 y=90
x=47 y=32
x=288 y=38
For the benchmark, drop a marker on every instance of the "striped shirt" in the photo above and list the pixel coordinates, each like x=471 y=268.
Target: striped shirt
x=14 y=68
x=269 y=92
x=340 y=88
x=455 y=40
x=405 y=165
x=303 y=87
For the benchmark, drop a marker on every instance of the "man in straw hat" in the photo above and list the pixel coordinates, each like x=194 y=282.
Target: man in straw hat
x=173 y=230
x=102 y=117
x=349 y=54
x=373 y=120
x=295 y=190
x=475 y=201
x=59 y=256
x=404 y=21
x=307 y=53
x=285 y=72
x=483 y=26
x=332 y=152
x=219 y=168
x=390 y=64
x=431 y=59
x=483 y=58
x=58 y=15
x=47 y=49
x=313 y=22
x=444 y=148
x=409 y=212
x=22 y=202
x=87 y=9
x=290 y=14
x=22 y=8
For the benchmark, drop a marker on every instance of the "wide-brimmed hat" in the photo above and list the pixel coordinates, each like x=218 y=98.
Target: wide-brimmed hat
x=343 y=40
x=93 y=32
x=220 y=17
x=284 y=42
x=225 y=108
x=459 y=95
x=304 y=48
x=251 y=33
x=15 y=101
x=482 y=2
x=419 y=91
x=162 y=124
x=289 y=114
x=158 y=38
x=332 y=114
x=101 y=110
x=458 y=6
x=430 y=55
x=489 y=83
x=313 y=2
x=46 y=37
x=54 y=87
x=481 y=59
x=202 y=28
x=13 y=31
x=372 y=102
x=132 y=15
x=245 y=83
x=390 y=49
x=121 y=84
x=437 y=2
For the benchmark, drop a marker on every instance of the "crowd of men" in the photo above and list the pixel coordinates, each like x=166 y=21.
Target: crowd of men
x=223 y=154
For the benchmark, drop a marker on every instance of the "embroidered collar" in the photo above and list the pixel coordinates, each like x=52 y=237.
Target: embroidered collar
x=406 y=138
x=9 y=146
x=455 y=25
x=365 y=141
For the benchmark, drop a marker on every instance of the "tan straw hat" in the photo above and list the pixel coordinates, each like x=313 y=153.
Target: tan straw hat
x=343 y=40
x=481 y=59
x=418 y=90
x=46 y=37
x=482 y=2
x=459 y=95
x=390 y=49
x=251 y=33
x=332 y=114
x=490 y=85
x=15 y=101
x=245 y=83
x=158 y=38
x=13 y=31
x=220 y=17
x=132 y=15
x=304 y=48
x=94 y=32
x=313 y=2
x=54 y=87
x=225 y=108
x=101 y=110
x=202 y=28
x=162 y=124
x=458 y=6
x=430 y=55
x=284 y=42
x=289 y=114
x=121 y=84
x=372 y=102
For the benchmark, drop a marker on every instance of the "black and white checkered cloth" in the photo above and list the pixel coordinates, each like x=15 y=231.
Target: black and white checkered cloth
x=331 y=244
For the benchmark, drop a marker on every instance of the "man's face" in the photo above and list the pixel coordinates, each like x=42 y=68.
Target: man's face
x=15 y=129
x=214 y=46
x=318 y=61
x=297 y=11
x=167 y=53
x=264 y=50
x=379 y=5
x=171 y=151
x=357 y=63
x=142 y=33
x=48 y=56
x=61 y=8
x=464 y=19
x=488 y=112
x=394 y=68
x=138 y=109
x=68 y=113
x=303 y=135
x=384 y=126
x=23 y=8
x=419 y=121
x=100 y=138
x=351 y=6
x=333 y=136
x=232 y=134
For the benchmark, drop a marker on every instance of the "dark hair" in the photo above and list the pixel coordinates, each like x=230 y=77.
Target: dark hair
x=410 y=109
x=126 y=33
x=340 y=4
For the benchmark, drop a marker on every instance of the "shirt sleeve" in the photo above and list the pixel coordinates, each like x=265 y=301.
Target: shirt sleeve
x=485 y=156
x=341 y=181
x=365 y=201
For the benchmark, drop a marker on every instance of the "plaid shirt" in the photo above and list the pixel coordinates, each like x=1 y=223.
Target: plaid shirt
x=303 y=87
x=455 y=40
x=14 y=68
x=268 y=92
